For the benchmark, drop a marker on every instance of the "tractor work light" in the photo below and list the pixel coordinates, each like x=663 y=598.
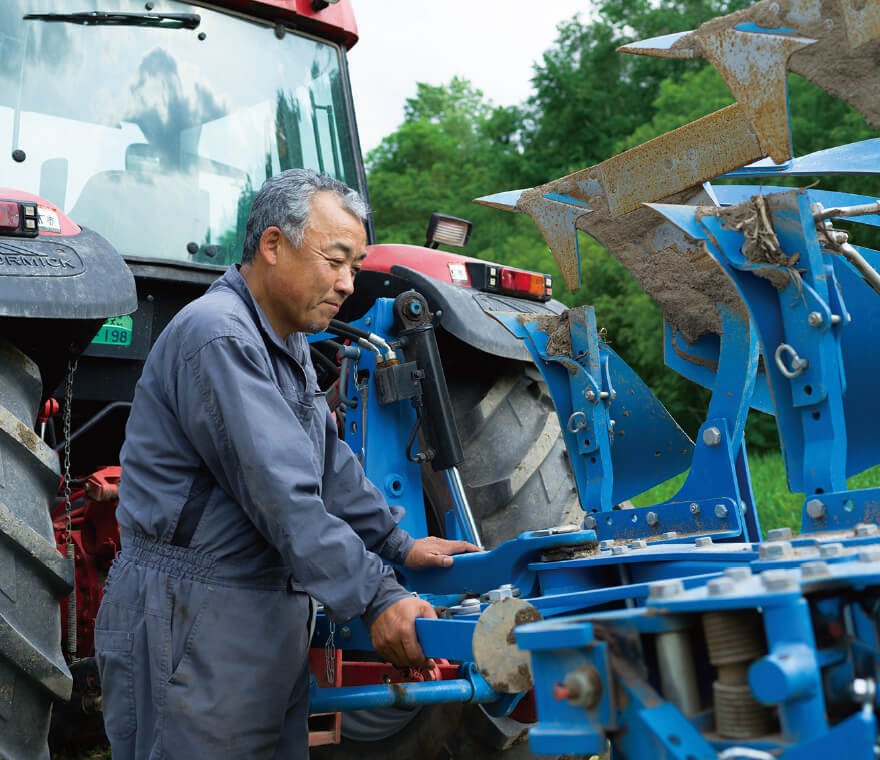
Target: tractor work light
x=493 y=278
x=448 y=230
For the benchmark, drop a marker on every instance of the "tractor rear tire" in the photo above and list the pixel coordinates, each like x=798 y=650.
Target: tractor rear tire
x=516 y=471
x=34 y=576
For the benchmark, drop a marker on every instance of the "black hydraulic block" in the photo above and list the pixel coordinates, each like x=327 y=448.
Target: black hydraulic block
x=438 y=423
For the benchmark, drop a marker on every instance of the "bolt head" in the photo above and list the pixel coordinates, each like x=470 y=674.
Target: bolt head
x=652 y=519
x=719 y=586
x=830 y=550
x=815 y=569
x=497 y=594
x=779 y=580
x=590 y=523
x=619 y=549
x=870 y=554
x=814 y=318
x=816 y=509
x=721 y=511
x=590 y=395
x=866 y=529
x=862 y=690
x=584 y=686
x=703 y=541
x=712 y=436
x=665 y=589
x=738 y=573
x=639 y=543
x=779 y=534
x=695 y=509
x=606 y=544
x=669 y=535
x=775 y=550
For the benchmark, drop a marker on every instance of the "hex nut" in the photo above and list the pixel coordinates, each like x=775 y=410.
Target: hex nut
x=779 y=580
x=639 y=543
x=694 y=508
x=652 y=519
x=779 y=534
x=584 y=686
x=814 y=319
x=866 y=529
x=721 y=511
x=669 y=535
x=771 y=550
x=816 y=509
x=830 y=550
x=665 y=589
x=719 y=586
x=870 y=554
x=738 y=573
x=712 y=436
x=816 y=569
x=703 y=541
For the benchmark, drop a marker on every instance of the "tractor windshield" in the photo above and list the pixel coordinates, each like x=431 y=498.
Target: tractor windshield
x=158 y=137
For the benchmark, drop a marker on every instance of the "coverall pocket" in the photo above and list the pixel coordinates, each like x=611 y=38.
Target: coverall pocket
x=187 y=610
x=301 y=404
x=113 y=651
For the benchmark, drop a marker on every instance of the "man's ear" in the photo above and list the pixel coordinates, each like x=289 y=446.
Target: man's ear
x=270 y=245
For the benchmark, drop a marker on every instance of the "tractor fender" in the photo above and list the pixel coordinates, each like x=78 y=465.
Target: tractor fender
x=466 y=313
x=463 y=311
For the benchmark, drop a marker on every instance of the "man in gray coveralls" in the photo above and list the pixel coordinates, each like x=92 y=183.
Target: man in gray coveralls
x=238 y=503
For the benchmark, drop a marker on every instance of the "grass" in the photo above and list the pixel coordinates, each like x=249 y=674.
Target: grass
x=777 y=506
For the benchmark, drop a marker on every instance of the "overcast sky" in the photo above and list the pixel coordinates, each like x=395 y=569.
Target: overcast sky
x=491 y=42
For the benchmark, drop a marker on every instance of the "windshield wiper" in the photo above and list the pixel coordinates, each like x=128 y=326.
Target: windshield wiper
x=114 y=18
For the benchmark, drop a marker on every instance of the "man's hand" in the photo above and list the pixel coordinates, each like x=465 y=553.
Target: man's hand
x=394 y=633
x=436 y=552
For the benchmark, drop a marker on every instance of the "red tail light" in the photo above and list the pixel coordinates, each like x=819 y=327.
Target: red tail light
x=493 y=278
x=10 y=217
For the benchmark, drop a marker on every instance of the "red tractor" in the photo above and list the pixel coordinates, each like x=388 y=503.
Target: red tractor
x=147 y=127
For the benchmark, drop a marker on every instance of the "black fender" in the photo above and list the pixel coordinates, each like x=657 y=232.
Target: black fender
x=462 y=311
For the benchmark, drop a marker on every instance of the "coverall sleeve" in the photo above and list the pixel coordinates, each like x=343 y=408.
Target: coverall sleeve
x=350 y=496
x=259 y=444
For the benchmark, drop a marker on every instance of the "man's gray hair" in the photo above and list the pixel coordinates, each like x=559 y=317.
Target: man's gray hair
x=285 y=201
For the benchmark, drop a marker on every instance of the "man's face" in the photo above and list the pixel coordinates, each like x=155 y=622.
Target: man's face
x=309 y=283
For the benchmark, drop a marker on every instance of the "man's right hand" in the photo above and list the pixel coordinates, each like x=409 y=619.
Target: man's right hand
x=394 y=633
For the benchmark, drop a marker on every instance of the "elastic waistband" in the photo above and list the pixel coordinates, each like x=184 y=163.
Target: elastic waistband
x=185 y=561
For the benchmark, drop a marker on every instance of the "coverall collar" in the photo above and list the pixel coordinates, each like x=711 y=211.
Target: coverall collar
x=232 y=279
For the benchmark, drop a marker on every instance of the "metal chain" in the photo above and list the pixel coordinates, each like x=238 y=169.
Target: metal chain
x=68 y=400
x=330 y=656
x=69 y=548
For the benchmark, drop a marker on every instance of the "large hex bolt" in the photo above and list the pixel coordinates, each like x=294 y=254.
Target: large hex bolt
x=619 y=549
x=711 y=436
x=816 y=509
x=590 y=522
x=639 y=543
x=779 y=534
x=776 y=581
x=719 y=586
x=816 y=569
x=665 y=589
x=738 y=573
x=771 y=550
x=863 y=530
x=669 y=535
x=830 y=550
x=504 y=591
x=703 y=541
x=606 y=543
x=721 y=511
x=584 y=686
x=870 y=554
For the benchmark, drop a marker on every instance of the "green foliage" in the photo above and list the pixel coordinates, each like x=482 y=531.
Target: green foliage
x=589 y=102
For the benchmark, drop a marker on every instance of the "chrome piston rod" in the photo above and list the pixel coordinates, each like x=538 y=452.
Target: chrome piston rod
x=462 y=506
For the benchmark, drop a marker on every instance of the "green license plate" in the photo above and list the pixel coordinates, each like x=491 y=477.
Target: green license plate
x=116 y=331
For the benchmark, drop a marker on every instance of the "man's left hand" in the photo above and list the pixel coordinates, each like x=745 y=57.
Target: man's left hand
x=436 y=552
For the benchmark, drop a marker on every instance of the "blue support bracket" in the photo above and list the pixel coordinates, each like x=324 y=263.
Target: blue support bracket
x=841 y=510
